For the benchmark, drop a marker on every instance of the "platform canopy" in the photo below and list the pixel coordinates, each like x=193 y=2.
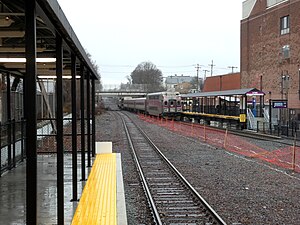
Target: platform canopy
x=37 y=40
x=50 y=21
x=235 y=92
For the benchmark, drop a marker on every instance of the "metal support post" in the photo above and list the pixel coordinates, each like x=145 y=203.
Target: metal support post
x=14 y=141
x=22 y=140
x=74 y=128
x=30 y=112
x=270 y=115
x=82 y=121
x=197 y=68
x=93 y=119
x=0 y=147
x=294 y=154
x=9 y=124
x=88 y=112
x=60 y=133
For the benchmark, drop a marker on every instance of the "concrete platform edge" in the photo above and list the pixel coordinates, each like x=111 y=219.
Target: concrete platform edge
x=121 y=205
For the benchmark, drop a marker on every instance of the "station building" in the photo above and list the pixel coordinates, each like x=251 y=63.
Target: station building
x=270 y=53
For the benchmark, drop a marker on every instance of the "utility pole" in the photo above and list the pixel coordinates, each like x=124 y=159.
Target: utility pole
x=211 y=67
x=232 y=67
x=205 y=73
x=198 y=67
x=204 y=78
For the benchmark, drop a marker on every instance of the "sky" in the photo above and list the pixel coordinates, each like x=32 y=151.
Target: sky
x=174 y=35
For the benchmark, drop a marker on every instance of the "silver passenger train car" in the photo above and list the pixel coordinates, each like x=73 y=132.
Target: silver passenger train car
x=161 y=104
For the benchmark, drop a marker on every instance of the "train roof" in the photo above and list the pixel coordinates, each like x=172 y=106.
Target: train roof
x=246 y=91
x=165 y=93
x=127 y=98
x=141 y=98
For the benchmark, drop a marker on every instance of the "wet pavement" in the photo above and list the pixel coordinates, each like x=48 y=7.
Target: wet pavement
x=13 y=192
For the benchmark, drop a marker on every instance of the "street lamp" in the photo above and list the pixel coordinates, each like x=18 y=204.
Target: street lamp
x=198 y=67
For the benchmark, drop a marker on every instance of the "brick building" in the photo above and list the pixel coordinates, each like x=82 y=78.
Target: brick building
x=222 y=82
x=270 y=51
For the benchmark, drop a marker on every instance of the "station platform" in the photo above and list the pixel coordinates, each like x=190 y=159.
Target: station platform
x=13 y=191
x=98 y=203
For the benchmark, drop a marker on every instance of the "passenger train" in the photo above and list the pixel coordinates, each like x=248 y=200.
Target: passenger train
x=217 y=108
x=161 y=104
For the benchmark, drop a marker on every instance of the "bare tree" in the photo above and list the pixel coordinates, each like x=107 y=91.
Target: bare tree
x=96 y=68
x=194 y=83
x=147 y=74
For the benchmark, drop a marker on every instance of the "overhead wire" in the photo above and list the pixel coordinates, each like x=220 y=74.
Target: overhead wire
x=159 y=66
x=162 y=66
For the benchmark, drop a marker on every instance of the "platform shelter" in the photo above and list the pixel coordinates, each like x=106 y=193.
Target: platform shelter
x=38 y=44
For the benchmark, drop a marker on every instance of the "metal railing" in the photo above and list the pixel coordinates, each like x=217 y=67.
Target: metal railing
x=250 y=119
x=288 y=129
x=266 y=115
x=46 y=136
x=12 y=144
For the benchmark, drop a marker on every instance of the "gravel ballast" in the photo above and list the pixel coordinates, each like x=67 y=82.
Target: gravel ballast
x=241 y=190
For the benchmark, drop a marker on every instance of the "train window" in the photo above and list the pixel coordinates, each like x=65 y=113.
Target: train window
x=171 y=103
x=166 y=103
x=178 y=103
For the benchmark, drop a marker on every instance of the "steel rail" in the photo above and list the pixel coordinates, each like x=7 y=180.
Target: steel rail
x=145 y=185
x=213 y=213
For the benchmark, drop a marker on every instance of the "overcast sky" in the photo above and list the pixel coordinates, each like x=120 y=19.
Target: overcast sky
x=174 y=35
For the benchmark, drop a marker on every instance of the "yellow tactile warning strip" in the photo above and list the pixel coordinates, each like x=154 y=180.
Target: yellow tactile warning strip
x=98 y=203
x=213 y=115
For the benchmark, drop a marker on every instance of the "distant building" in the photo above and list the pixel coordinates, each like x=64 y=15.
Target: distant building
x=173 y=81
x=270 y=51
x=184 y=87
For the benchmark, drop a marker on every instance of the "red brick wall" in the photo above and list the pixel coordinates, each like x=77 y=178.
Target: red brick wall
x=261 y=43
x=259 y=7
x=222 y=82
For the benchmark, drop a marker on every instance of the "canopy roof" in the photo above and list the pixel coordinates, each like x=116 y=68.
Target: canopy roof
x=236 y=92
x=50 y=21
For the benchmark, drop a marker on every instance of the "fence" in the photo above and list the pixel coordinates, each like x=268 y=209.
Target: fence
x=12 y=142
x=17 y=105
x=288 y=129
x=46 y=137
x=287 y=157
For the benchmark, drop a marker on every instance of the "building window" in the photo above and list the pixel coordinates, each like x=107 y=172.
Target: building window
x=286 y=52
x=284 y=25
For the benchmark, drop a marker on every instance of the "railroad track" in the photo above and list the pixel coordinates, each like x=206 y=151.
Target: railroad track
x=171 y=198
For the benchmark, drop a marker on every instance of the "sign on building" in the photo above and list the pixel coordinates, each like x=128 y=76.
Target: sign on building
x=279 y=104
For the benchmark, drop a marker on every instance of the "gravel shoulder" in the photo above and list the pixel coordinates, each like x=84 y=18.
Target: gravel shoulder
x=241 y=190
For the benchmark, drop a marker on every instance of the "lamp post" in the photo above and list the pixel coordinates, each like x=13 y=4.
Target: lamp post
x=284 y=90
x=198 y=67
